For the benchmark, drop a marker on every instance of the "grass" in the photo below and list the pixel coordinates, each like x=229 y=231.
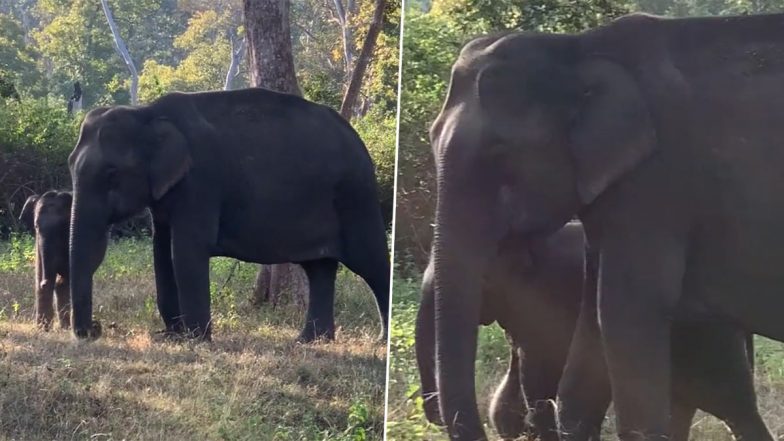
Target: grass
x=252 y=382
x=406 y=420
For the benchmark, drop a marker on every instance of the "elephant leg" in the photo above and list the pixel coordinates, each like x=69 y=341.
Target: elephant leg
x=680 y=421
x=508 y=407
x=167 y=295
x=44 y=288
x=63 y=291
x=712 y=372
x=584 y=390
x=633 y=305
x=540 y=378
x=368 y=257
x=192 y=274
x=320 y=320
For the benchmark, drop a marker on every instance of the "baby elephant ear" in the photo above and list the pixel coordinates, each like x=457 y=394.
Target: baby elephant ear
x=613 y=132
x=170 y=160
x=27 y=216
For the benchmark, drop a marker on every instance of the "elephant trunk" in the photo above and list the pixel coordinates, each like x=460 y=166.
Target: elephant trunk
x=466 y=236
x=426 y=348
x=88 y=241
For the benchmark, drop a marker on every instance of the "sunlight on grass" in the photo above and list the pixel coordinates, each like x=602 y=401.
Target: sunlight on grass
x=252 y=380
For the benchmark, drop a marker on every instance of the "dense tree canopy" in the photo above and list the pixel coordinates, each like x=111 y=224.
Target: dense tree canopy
x=176 y=45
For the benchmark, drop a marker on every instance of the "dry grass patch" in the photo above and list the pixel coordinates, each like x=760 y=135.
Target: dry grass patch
x=252 y=382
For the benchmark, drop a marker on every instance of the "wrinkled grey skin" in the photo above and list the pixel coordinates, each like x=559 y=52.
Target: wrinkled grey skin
x=48 y=216
x=252 y=174
x=534 y=291
x=664 y=137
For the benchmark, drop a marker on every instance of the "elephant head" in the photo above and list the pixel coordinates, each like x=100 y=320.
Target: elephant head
x=49 y=211
x=534 y=129
x=125 y=159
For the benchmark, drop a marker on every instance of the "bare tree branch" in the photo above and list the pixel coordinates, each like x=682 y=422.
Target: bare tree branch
x=119 y=44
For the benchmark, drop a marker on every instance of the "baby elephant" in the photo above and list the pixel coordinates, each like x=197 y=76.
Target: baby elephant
x=534 y=290
x=48 y=216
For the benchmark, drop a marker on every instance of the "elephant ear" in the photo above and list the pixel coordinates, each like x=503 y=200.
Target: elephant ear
x=170 y=159
x=613 y=132
x=27 y=216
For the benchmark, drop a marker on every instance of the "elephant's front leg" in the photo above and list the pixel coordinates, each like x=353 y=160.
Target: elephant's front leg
x=320 y=320
x=165 y=282
x=44 y=288
x=62 y=290
x=191 y=261
x=640 y=284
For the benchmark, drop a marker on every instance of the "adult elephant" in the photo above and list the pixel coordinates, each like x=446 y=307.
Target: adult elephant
x=252 y=174
x=663 y=135
x=534 y=290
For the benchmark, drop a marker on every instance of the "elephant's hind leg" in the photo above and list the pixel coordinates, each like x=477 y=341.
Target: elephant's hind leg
x=366 y=255
x=713 y=366
x=320 y=320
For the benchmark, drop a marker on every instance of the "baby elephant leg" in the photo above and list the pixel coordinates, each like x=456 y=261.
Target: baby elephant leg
x=63 y=292
x=44 y=295
x=508 y=407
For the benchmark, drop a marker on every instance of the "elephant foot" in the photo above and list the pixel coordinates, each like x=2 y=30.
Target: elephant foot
x=92 y=333
x=432 y=412
x=311 y=332
x=541 y=419
x=179 y=335
x=167 y=335
x=642 y=436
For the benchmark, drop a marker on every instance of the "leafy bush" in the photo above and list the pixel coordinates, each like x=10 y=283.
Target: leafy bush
x=36 y=137
x=378 y=130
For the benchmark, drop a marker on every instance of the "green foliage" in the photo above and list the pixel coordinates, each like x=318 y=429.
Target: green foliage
x=206 y=45
x=17 y=59
x=377 y=129
x=17 y=252
x=35 y=141
x=35 y=125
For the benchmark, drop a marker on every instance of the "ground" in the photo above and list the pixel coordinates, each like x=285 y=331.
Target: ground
x=406 y=420
x=253 y=382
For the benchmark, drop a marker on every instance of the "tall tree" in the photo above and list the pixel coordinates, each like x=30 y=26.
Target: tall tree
x=271 y=65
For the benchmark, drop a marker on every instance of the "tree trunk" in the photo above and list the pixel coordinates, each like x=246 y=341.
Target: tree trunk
x=355 y=84
x=119 y=44
x=345 y=28
x=271 y=65
x=237 y=54
x=270 y=59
